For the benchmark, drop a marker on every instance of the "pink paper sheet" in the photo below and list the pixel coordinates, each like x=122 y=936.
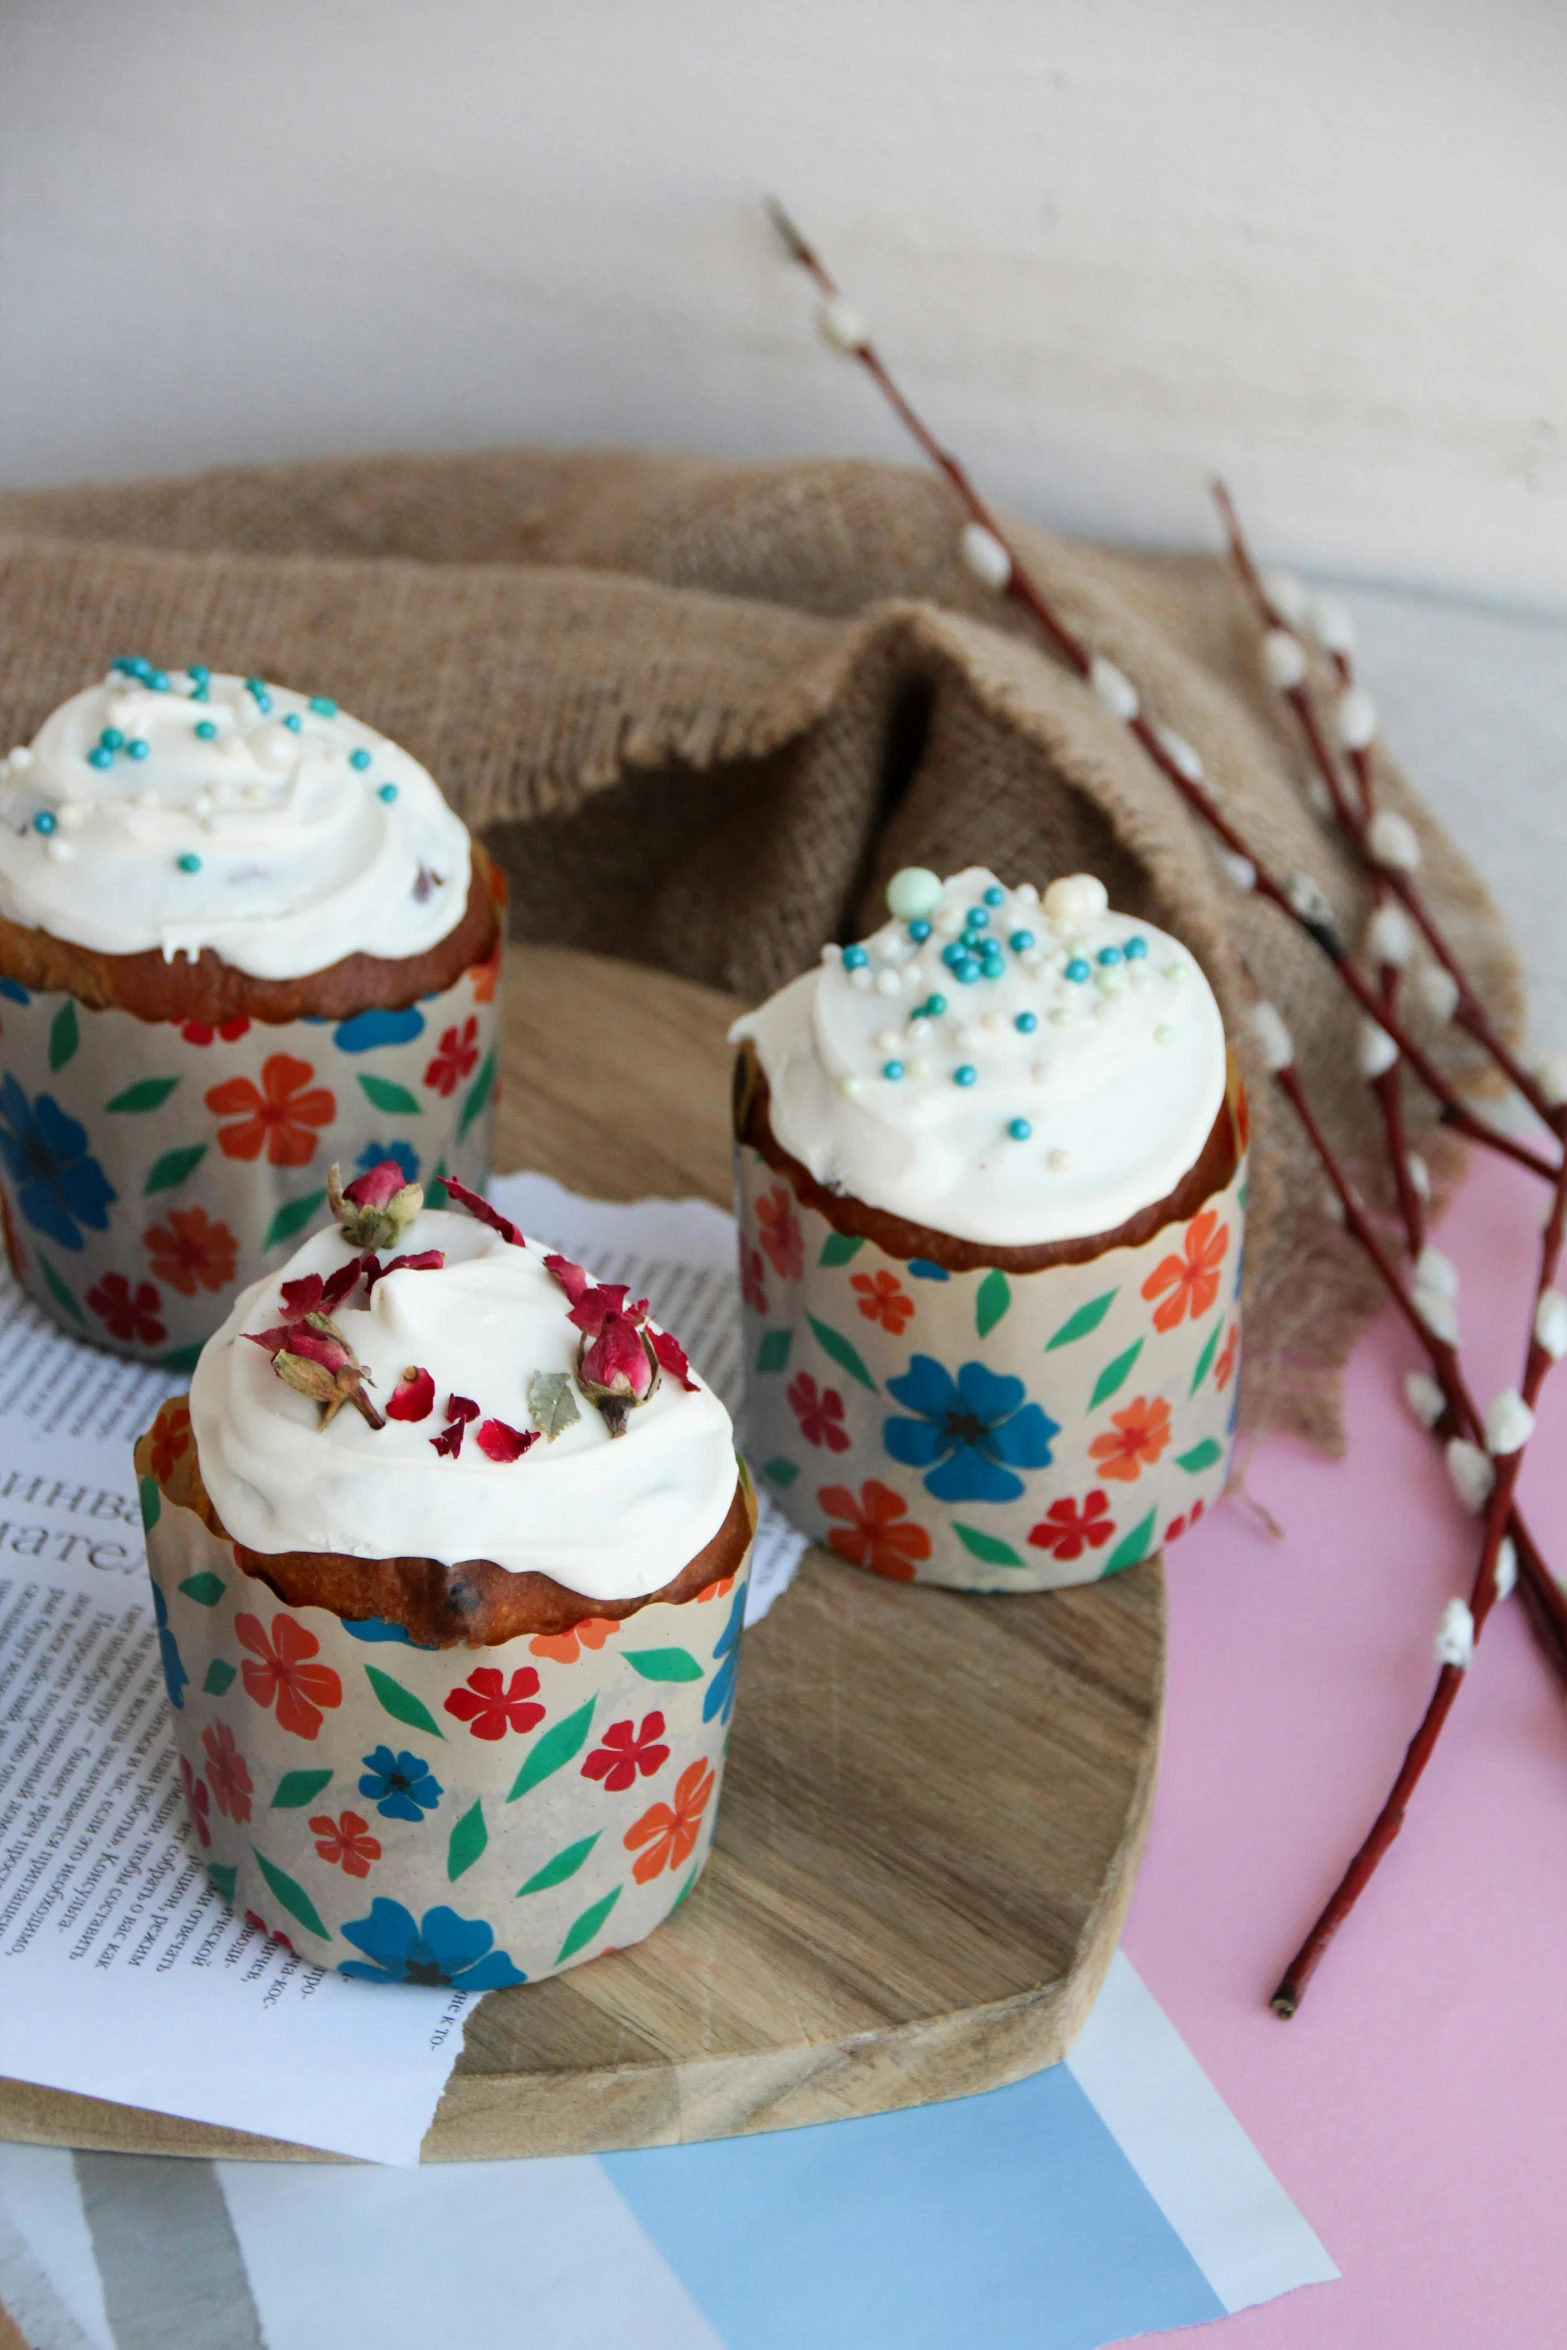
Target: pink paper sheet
x=1416 y=2107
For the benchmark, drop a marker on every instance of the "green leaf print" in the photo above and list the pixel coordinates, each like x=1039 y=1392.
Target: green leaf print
x=402 y=1704
x=151 y=1503
x=58 y=1290
x=780 y=1471
x=554 y=1750
x=1086 y=1319
x=839 y=1247
x=173 y=1168
x=150 y=1094
x=182 y=1358
x=1114 y=1375
x=468 y=1840
x=297 y=1788
x=582 y=1933
x=220 y=1679
x=564 y=1865
x=222 y=1876
x=1132 y=1550
x=293 y=1897
x=995 y=1295
x=206 y=1589
x=832 y=1342
x=1202 y=1456
x=1205 y=1359
x=663 y=1664
x=986 y=1546
x=773 y=1353
x=483 y=1084
x=292 y=1217
x=388 y=1096
x=64 y=1035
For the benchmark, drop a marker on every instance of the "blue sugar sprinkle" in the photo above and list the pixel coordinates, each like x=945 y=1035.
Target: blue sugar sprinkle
x=1026 y=1023
x=44 y=821
x=994 y=896
x=130 y=665
x=256 y=688
x=158 y=679
x=206 y=732
x=387 y=792
x=1109 y=955
x=1077 y=969
x=361 y=760
x=1020 y=941
x=919 y=932
x=978 y=919
x=293 y=721
x=112 y=739
x=953 y=955
x=323 y=705
x=199 y=673
x=137 y=747
x=99 y=757
x=1135 y=949
x=892 y=1069
x=935 y=1005
x=189 y=863
x=966 y=972
x=965 y=1073
x=1020 y=1129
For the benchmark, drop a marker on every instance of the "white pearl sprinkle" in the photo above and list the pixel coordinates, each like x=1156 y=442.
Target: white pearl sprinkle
x=1271 y=1036
x=1506 y=1567
x=274 y=747
x=983 y=554
x=1114 y=688
x=888 y=1039
x=119 y=710
x=1355 y=719
x=1283 y=660
x=970 y=1036
x=1391 y=841
x=1376 y=1052
x=1176 y=971
x=1026 y=894
x=841 y=325
x=994 y=1022
x=1033 y=959
x=62 y=851
x=919 y=1067
x=1076 y=897
x=1424 y=1397
x=849 y=1086
x=1287 y=593
x=919 y=1032
x=1437 y=990
x=1390 y=936
x=1040 y=1072
x=1331 y=625
x=1240 y=870
x=233 y=746
x=1059 y=1015
x=863 y=978
x=1471 y=1472
x=72 y=815
x=948 y=922
x=203 y=804
x=888 y=981
x=259 y=794
x=1550 y=1324
x=1059 y=1161
x=1455 y=1635
x=20 y=758
x=1179 y=752
x=1509 y=1424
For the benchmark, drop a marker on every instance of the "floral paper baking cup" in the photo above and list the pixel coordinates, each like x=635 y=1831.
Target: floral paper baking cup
x=151 y=1170
x=479 y=1816
x=989 y=1430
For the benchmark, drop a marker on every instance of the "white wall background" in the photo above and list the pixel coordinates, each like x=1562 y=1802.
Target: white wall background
x=1113 y=244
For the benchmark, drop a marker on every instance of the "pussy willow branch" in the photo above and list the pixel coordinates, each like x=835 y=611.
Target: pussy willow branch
x=1025 y=591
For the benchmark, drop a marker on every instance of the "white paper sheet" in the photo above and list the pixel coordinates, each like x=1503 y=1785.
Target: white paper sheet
x=122 y=1975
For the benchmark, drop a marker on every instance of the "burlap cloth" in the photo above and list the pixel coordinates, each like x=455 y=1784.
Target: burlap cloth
x=701 y=711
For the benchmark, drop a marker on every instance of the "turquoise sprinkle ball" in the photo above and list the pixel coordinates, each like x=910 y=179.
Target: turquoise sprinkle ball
x=130 y=664
x=935 y=1005
x=361 y=760
x=137 y=747
x=257 y=689
x=854 y=958
x=994 y=966
x=189 y=863
x=206 y=732
x=1109 y=954
x=892 y=1069
x=1136 y=949
x=1077 y=969
x=112 y=739
x=919 y=932
x=995 y=896
x=1020 y=941
x=293 y=721
x=323 y=705
x=1026 y=1023
x=965 y=1073
x=158 y=679
x=952 y=955
x=966 y=972
x=44 y=821
x=199 y=673
x=1020 y=1130
x=99 y=757
x=387 y=792
x=978 y=919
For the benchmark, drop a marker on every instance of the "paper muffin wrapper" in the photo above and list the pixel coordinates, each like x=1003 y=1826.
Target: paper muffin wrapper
x=990 y=1431
x=150 y=1170
x=475 y=1816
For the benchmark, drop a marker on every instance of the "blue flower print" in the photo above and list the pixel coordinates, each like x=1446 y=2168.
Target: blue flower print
x=399 y=1785
x=403 y=1152
x=174 y=1673
x=439 y=1948
x=59 y=1186
x=972 y=1431
x=14 y=991
x=923 y=1270
x=366 y=1030
x=719 y=1703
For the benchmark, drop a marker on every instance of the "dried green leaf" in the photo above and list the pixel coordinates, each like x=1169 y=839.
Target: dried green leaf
x=552 y=1403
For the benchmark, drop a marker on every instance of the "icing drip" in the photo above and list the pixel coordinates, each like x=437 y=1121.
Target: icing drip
x=611 y=1517
x=997 y=1068
x=212 y=811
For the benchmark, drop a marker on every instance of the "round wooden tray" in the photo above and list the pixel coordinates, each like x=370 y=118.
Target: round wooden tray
x=934 y=1804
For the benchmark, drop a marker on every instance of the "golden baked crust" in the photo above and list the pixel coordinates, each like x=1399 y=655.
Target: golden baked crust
x=211 y=990
x=1210 y=1171
x=476 y=1601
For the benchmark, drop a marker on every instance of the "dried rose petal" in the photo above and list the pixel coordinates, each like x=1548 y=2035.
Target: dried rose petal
x=424 y=1260
x=499 y=1443
x=483 y=1210
x=571 y=1277
x=450 y=1439
x=461 y=1407
x=413 y=1398
x=617 y=1362
x=672 y=1357
x=340 y=1284
x=301 y=1297
x=384 y=1180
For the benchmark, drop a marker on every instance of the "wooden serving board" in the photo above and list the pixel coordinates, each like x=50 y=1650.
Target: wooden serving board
x=934 y=1804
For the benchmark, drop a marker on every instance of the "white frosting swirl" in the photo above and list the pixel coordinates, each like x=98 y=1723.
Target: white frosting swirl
x=1092 y=1046
x=206 y=811
x=612 y=1518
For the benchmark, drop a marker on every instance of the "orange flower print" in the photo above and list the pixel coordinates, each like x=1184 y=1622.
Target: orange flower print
x=281 y=1674
x=1224 y=1368
x=276 y=1116
x=1191 y=1279
x=231 y=1781
x=878 y=1532
x=670 y=1832
x=189 y=1251
x=345 y=1843
x=778 y=1229
x=456 y=1057
x=884 y=1299
x=170 y=1438
x=486 y=977
x=719 y=1590
x=198 y=1803
x=1143 y=1431
x=564 y=1648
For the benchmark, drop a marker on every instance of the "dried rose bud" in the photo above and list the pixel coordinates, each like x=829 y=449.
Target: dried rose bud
x=477 y=1205
x=375 y=1211
x=672 y=1358
x=617 y=1362
x=413 y=1398
x=499 y=1443
x=313 y=1357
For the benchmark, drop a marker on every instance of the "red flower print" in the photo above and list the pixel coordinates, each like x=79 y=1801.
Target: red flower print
x=231 y=1781
x=1179 y=1526
x=346 y=1843
x=278 y=1115
x=198 y=1032
x=198 y=1801
x=491 y=1706
x=626 y=1751
x=884 y=1299
x=1067 y=1529
x=486 y=976
x=456 y=1057
x=670 y=1831
x=563 y=1648
x=131 y=1314
x=1142 y=1432
x=719 y=1590
x=878 y=1533
x=1224 y=1368
x=189 y=1251
x=1193 y=1278
x=779 y=1229
x=753 y=1278
x=271 y=1932
x=283 y=1674
x=820 y=1414
x=170 y=1438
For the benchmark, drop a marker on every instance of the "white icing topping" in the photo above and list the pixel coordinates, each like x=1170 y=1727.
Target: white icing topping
x=1092 y=1108
x=257 y=836
x=612 y=1518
